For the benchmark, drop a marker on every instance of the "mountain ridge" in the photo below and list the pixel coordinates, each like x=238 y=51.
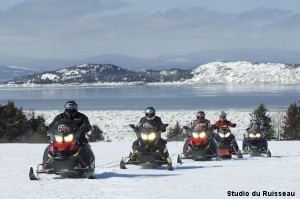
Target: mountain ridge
x=214 y=72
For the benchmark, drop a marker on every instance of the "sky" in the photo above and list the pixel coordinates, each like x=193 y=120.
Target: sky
x=75 y=29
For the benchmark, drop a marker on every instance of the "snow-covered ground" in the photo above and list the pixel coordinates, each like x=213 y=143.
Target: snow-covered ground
x=114 y=123
x=194 y=180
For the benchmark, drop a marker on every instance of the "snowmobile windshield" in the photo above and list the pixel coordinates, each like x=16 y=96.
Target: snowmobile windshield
x=64 y=130
x=148 y=131
x=200 y=128
x=147 y=127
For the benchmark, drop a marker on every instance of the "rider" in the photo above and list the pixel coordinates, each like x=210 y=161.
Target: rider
x=199 y=123
x=71 y=112
x=161 y=144
x=257 y=125
x=223 y=124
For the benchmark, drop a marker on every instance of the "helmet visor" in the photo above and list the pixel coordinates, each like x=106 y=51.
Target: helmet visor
x=150 y=115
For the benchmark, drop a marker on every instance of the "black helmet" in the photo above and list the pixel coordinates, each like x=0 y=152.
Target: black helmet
x=200 y=115
x=150 y=113
x=71 y=108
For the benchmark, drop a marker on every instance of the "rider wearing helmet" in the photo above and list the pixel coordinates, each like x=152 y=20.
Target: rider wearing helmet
x=256 y=123
x=150 y=117
x=71 y=112
x=223 y=124
x=200 y=121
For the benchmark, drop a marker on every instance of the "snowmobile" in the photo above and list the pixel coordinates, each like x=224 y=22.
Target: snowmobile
x=149 y=153
x=225 y=139
x=199 y=146
x=255 y=144
x=65 y=156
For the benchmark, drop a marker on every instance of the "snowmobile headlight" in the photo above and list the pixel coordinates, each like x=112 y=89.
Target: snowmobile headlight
x=258 y=135
x=151 y=136
x=227 y=134
x=202 y=134
x=251 y=135
x=69 y=138
x=195 y=135
x=58 y=138
x=144 y=136
x=221 y=135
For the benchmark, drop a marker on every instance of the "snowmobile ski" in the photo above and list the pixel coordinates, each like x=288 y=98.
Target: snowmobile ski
x=122 y=163
x=179 y=159
x=32 y=175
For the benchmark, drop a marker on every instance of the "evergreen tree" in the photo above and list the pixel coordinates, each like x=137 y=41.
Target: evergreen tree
x=13 y=122
x=35 y=130
x=14 y=126
x=96 y=134
x=261 y=112
x=175 y=133
x=291 y=128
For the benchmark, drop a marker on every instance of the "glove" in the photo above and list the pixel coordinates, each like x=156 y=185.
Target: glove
x=234 y=125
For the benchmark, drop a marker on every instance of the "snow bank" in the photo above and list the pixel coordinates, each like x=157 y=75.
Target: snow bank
x=114 y=123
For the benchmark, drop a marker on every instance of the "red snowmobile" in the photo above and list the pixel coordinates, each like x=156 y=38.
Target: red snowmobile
x=199 y=146
x=65 y=156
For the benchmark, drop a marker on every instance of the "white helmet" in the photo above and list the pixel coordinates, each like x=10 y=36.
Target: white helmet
x=222 y=115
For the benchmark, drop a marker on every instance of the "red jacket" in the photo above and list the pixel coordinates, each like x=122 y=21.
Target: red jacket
x=223 y=124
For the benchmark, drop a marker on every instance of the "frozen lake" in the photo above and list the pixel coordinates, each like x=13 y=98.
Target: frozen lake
x=209 y=96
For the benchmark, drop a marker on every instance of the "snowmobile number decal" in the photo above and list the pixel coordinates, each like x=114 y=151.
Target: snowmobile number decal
x=63 y=128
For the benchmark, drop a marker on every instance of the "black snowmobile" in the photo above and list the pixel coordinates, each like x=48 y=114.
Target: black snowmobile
x=147 y=150
x=65 y=156
x=255 y=144
x=226 y=144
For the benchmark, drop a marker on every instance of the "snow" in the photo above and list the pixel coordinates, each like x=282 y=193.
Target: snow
x=211 y=73
x=50 y=76
x=120 y=131
x=210 y=179
x=245 y=72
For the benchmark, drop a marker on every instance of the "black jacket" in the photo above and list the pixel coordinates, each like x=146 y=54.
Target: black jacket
x=156 y=120
x=81 y=119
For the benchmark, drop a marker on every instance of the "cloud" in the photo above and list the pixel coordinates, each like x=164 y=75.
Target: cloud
x=95 y=25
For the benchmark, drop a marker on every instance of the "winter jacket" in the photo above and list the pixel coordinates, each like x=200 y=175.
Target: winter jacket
x=156 y=120
x=256 y=126
x=81 y=120
x=223 y=124
x=200 y=124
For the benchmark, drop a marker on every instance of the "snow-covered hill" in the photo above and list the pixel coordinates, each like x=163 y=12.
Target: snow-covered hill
x=100 y=73
x=215 y=72
x=245 y=72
